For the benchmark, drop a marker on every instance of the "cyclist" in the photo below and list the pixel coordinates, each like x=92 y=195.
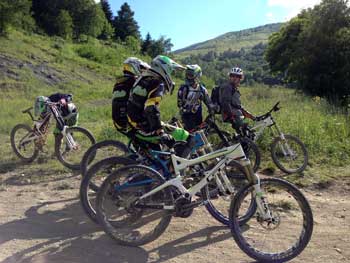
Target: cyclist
x=143 y=104
x=190 y=97
x=132 y=68
x=231 y=108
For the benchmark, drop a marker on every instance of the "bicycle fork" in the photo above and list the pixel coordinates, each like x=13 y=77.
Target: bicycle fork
x=260 y=198
x=70 y=140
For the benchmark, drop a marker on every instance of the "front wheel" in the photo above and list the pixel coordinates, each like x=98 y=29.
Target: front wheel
x=23 y=143
x=101 y=150
x=219 y=204
x=70 y=148
x=93 y=180
x=289 y=154
x=284 y=233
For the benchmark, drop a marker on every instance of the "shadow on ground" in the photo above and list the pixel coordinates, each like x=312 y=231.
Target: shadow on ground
x=70 y=237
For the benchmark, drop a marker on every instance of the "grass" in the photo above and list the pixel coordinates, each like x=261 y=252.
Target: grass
x=89 y=74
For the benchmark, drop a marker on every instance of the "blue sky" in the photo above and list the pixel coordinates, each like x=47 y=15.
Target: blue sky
x=191 y=21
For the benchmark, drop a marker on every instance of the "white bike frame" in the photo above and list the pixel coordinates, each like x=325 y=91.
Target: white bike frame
x=234 y=152
x=259 y=128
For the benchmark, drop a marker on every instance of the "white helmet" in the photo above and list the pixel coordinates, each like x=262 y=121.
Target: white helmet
x=71 y=117
x=193 y=73
x=236 y=71
x=134 y=66
x=164 y=66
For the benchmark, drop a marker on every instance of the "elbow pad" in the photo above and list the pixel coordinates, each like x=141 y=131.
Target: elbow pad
x=152 y=115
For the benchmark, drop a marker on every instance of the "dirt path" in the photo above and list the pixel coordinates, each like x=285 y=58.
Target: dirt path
x=44 y=222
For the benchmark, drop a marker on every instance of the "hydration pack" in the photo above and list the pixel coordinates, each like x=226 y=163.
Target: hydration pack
x=215 y=99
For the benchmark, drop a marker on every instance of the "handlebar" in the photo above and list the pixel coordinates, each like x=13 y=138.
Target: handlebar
x=266 y=115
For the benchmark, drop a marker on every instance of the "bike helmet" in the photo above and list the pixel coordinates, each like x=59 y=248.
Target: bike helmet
x=71 y=117
x=236 y=71
x=164 y=66
x=193 y=73
x=40 y=105
x=134 y=66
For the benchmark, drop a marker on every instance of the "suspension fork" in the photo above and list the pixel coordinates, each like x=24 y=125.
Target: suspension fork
x=279 y=132
x=70 y=140
x=261 y=201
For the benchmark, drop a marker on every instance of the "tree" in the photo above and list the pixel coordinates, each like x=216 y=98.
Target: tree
x=133 y=43
x=146 y=44
x=92 y=21
x=107 y=31
x=88 y=17
x=17 y=14
x=107 y=10
x=125 y=24
x=6 y=17
x=160 y=46
x=64 y=24
x=313 y=50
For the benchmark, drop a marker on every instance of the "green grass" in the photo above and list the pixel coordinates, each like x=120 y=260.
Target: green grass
x=324 y=129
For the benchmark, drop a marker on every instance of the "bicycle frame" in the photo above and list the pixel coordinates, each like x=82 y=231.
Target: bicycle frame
x=234 y=152
x=261 y=125
x=37 y=132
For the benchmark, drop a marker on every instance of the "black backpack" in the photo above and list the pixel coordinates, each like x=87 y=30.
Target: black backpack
x=215 y=98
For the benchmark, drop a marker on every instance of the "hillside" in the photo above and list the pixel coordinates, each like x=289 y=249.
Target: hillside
x=32 y=65
x=232 y=40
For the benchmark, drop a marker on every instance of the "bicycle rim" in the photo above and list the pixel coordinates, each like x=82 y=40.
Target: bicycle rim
x=120 y=216
x=286 y=235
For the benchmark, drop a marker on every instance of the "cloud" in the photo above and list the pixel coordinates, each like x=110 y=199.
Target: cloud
x=270 y=17
x=293 y=7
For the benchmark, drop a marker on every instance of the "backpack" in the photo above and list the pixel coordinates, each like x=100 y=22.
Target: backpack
x=120 y=99
x=215 y=98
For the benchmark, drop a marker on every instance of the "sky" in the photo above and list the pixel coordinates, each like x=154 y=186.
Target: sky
x=188 y=22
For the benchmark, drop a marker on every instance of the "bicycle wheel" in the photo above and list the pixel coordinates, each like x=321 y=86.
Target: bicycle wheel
x=93 y=179
x=101 y=150
x=289 y=155
x=276 y=239
x=250 y=149
x=26 y=151
x=123 y=216
x=71 y=157
x=219 y=205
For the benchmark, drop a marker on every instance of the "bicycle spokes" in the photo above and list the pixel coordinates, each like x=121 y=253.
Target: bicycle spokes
x=278 y=222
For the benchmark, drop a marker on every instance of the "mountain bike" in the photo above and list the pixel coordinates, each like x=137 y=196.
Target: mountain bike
x=135 y=205
x=70 y=142
x=215 y=137
x=142 y=154
x=287 y=151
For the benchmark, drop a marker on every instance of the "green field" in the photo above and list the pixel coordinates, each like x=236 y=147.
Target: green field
x=36 y=65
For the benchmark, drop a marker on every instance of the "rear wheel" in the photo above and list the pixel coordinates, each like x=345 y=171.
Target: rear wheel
x=23 y=144
x=250 y=149
x=219 y=204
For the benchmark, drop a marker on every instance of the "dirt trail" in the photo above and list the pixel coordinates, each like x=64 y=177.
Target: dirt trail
x=44 y=222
